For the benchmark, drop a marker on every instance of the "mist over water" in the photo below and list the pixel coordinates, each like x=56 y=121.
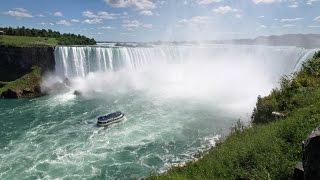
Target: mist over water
x=227 y=76
x=178 y=101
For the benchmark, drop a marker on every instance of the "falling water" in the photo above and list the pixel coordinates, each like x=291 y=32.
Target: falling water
x=79 y=61
x=178 y=101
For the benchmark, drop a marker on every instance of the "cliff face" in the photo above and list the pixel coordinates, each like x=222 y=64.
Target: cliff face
x=17 y=61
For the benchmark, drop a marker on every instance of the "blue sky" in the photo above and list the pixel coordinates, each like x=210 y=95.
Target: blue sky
x=152 y=20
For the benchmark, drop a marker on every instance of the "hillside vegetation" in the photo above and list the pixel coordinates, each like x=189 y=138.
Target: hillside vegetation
x=26 y=41
x=45 y=37
x=26 y=86
x=272 y=146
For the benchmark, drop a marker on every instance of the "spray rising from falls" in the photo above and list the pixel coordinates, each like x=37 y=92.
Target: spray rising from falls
x=231 y=76
x=178 y=100
x=80 y=61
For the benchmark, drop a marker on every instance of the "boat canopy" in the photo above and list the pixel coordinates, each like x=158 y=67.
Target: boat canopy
x=110 y=116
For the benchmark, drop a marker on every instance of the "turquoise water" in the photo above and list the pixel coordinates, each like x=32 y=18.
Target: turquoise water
x=56 y=136
x=178 y=101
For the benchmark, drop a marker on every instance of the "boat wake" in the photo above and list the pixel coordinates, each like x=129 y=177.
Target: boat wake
x=179 y=100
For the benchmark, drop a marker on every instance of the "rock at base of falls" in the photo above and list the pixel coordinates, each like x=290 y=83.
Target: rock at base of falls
x=311 y=155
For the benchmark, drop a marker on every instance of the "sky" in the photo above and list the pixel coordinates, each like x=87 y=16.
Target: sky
x=165 y=20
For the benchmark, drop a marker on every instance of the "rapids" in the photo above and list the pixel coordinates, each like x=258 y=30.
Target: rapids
x=178 y=101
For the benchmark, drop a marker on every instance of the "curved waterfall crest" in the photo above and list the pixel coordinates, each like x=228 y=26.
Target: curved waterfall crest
x=78 y=61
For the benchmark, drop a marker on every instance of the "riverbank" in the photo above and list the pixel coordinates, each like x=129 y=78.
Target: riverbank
x=271 y=148
x=27 y=54
x=27 y=86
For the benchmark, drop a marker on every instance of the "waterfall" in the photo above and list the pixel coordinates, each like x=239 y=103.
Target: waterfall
x=78 y=61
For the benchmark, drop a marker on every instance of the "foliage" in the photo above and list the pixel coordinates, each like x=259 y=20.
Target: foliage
x=292 y=94
x=29 y=80
x=269 y=149
x=26 y=41
x=62 y=39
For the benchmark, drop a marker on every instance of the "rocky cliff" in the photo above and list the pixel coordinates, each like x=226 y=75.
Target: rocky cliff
x=17 y=61
x=21 y=69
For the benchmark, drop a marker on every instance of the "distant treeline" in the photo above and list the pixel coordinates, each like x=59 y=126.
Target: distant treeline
x=63 y=39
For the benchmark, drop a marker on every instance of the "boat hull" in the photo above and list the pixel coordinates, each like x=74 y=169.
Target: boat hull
x=113 y=121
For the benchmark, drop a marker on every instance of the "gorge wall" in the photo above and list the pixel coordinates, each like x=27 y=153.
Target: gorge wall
x=17 y=61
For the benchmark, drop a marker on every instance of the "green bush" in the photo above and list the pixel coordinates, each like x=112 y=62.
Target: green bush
x=63 y=39
x=292 y=92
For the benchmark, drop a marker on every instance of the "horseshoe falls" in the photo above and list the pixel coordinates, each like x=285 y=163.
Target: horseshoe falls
x=178 y=101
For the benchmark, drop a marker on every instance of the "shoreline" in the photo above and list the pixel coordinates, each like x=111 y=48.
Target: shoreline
x=271 y=148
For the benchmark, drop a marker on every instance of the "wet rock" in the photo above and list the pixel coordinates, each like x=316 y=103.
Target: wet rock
x=37 y=89
x=10 y=94
x=18 y=61
x=27 y=92
x=67 y=82
x=311 y=156
x=77 y=93
x=2 y=84
x=298 y=172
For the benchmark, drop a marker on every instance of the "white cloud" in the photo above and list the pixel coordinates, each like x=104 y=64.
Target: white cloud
x=41 y=15
x=310 y=2
x=288 y=25
x=206 y=2
x=93 y=21
x=89 y=14
x=194 y=21
x=135 y=24
x=146 y=13
x=265 y=1
x=44 y=24
x=144 y=6
x=137 y=4
x=99 y=15
x=131 y=25
x=224 y=10
x=291 y=20
x=238 y=15
x=75 y=20
x=314 y=26
x=317 y=18
x=19 y=13
x=106 y=27
x=147 y=26
x=106 y=15
x=96 y=33
x=63 y=22
x=58 y=14
x=294 y=4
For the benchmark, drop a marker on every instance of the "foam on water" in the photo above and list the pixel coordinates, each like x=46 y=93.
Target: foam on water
x=178 y=100
x=63 y=141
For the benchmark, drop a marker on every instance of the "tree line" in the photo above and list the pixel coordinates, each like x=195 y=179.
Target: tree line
x=63 y=39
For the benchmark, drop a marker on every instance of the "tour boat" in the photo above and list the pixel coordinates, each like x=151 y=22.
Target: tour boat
x=111 y=118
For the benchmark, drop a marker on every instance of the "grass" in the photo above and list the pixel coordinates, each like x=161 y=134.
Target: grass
x=271 y=147
x=25 y=41
x=25 y=82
